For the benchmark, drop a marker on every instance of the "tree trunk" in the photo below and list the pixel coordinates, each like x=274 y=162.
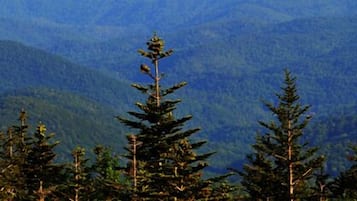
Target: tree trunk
x=291 y=173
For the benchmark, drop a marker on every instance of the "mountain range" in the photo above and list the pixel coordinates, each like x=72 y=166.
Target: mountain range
x=232 y=53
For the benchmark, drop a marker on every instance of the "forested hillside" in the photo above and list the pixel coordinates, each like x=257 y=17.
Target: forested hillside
x=231 y=53
x=77 y=103
x=24 y=66
x=75 y=120
x=162 y=158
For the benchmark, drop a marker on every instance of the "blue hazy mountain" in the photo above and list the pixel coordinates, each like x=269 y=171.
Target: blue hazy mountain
x=232 y=53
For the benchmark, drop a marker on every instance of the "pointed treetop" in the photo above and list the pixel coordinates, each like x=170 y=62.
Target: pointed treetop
x=156 y=44
x=155 y=53
x=155 y=48
x=78 y=151
x=23 y=116
x=41 y=129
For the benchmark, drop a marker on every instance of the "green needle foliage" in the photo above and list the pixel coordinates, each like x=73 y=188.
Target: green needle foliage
x=15 y=149
x=42 y=174
x=164 y=162
x=76 y=184
x=321 y=190
x=27 y=163
x=108 y=181
x=10 y=164
x=344 y=186
x=281 y=165
x=258 y=177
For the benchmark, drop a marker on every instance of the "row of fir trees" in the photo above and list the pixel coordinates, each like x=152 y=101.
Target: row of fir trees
x=163 y=162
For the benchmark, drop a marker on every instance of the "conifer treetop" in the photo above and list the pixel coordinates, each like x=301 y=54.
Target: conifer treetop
x=155 y=52
x=155 y=47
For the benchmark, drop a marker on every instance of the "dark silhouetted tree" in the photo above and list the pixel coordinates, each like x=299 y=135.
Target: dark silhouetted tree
x=345 y=185
x=15 y=145
x=42 y=174
x=166 y=166
x=281 y=165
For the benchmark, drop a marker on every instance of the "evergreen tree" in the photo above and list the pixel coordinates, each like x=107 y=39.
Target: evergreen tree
x=7 y=189
x=257 y=176
x=40 y=172
x=76 y=184
x=344 y=185
x=321 y=190
x=109 y=180
x=80 y=174
x=165 y=165
x=282 y=164
x=14 y=150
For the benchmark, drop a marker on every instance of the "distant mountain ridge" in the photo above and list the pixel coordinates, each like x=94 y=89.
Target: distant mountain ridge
x=24 y=67
x=77 y=103
x=232 y=53
x=75 y=21
x=75 y=120
x=137 y=12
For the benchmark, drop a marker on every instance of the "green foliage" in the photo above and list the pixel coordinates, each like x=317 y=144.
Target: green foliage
x=76 y=182
x=75 y=119
x=334 y=134
x=176 y=152
x=280 y=160
x=258 y=177
x=233 y=61
x=234 y=50
x=321 y=189
x=344 y=186
x=164 y=164
x=12 y=161
x=39 y=168
x=109 y=181
x=28 y=162
x=31 y=68
x=77 y=103
x=30 y=171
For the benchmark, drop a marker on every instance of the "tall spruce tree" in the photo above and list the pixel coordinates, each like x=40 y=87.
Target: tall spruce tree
x=7 y=167
x=165 y=165
x=281 y=163
x=40 y=172
x=15 y=145
x=27 y=168
x=80 y=175
x=76 y=181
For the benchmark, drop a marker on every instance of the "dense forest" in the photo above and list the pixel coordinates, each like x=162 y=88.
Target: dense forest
x=163 y=161
x=231 y=58
x=67 y=65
